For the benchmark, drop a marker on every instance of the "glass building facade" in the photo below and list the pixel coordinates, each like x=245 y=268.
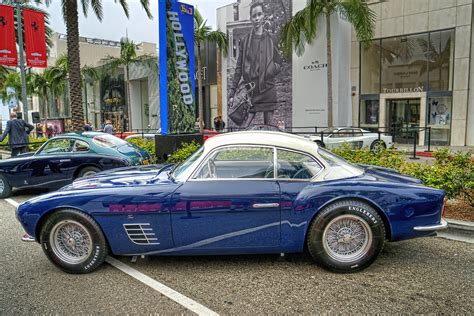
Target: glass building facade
x=404 y=73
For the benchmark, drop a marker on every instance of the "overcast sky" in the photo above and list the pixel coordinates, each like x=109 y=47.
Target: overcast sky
x=115 y=24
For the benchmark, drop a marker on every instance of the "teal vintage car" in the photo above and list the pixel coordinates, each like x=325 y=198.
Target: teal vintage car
x=64 y=158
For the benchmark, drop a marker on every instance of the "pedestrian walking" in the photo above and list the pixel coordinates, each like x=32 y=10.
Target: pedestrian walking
x=108 y=128
x=17 y=131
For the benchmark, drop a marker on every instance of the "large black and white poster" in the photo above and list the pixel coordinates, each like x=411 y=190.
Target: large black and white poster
x=259 y=76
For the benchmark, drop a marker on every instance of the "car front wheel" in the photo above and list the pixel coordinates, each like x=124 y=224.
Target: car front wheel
x=73 y=241
x=346 y=236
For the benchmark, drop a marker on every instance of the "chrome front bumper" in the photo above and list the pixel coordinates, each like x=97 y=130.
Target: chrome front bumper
x=440 y=226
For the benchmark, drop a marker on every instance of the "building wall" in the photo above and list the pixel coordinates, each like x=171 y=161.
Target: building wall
x=93 y=50
x=147 y=72
x=402 y=17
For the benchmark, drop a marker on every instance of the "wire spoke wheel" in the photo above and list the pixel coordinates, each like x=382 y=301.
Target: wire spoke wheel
x=71 y=241
x=347 y=238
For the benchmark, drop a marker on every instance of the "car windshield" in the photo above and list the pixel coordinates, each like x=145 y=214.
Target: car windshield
x=187 y=164
x=108 y=141
x=338 y=167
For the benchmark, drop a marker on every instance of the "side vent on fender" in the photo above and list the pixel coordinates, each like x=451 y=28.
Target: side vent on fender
x=141 y=234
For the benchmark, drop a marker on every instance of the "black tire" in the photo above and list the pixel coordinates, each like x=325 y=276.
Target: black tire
x=363 y=219
x=87 y=232
x=5 y=187
x=320 y=143
x=378 y=145
x=87 y=171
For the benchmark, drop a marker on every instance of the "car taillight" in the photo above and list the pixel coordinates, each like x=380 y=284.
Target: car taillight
x=444 y=206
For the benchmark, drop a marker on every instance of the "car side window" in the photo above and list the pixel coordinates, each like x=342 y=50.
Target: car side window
x=356 y=132
x=81 y=146
x=340 y=133
x=296 y=166
x=60 y=145
x=238 y=163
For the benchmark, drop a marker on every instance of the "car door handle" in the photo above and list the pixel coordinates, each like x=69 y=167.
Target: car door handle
x=64 y=160
x=265 y=205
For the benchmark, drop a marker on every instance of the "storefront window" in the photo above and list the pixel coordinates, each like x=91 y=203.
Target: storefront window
x=404 y=64
x=440 y=60
x=369 y=114
x=439 y=119
x=370 y=65
x=113 y=101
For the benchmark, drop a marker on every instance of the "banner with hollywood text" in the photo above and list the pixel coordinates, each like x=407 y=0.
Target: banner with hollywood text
x=35 y=39
x=177 y=101
x=8 y=54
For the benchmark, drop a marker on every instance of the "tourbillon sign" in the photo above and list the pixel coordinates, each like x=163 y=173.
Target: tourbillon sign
x=403 y=90
x=177 y=102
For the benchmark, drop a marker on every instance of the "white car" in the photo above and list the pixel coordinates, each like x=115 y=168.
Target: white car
x=355 y=137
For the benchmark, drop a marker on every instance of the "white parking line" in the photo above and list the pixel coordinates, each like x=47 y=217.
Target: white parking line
x=157 y=286
x=12 y=202
x=163 y=289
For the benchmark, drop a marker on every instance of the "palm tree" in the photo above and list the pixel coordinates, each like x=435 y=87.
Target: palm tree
x=128 y=56
x=203 y=33
x=70 y=15
x=4 y=71
x=301 y=29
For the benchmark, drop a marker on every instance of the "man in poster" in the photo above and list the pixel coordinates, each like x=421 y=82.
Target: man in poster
x=258 y=63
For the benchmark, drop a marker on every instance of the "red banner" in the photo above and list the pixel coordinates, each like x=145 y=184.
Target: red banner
x=8 y=55
x=35 y=39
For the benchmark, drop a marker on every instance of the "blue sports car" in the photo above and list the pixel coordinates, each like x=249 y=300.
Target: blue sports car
x=241 y=193
x=65 y=158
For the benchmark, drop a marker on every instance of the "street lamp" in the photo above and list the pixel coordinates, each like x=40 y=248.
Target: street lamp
x=24 y=97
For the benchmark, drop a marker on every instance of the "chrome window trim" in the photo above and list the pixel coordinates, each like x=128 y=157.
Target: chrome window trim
x=275 y=165
x=80 y=140
x=304 y=154
x=193 y=173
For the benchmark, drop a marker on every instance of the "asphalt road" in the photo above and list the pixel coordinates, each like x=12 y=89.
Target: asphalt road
x=430 y=275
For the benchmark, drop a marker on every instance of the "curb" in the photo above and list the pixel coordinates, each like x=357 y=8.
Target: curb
x=458 y=230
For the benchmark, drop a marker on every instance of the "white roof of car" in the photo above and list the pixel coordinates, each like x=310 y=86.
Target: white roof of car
x=268 y=138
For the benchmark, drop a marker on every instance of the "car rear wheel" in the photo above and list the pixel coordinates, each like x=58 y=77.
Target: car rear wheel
x=88 y=171
x=378 y=145
x=346 y=236
x=5 y=187
x=73 y=241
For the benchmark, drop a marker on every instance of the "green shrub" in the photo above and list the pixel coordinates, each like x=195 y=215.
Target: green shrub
x=145 y=143
x=34 y=143
x=384 y=157
x=183 y=152
x=451 y=172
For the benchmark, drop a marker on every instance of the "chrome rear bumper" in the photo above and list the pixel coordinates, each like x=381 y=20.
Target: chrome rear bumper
x=440 y=226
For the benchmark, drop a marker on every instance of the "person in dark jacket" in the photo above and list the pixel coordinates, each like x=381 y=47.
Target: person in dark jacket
x=259 y=61
x=17 y=131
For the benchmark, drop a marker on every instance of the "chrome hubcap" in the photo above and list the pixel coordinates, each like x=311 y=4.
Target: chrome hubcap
x=347 y=238
x=2 y=185
x=71 y=242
